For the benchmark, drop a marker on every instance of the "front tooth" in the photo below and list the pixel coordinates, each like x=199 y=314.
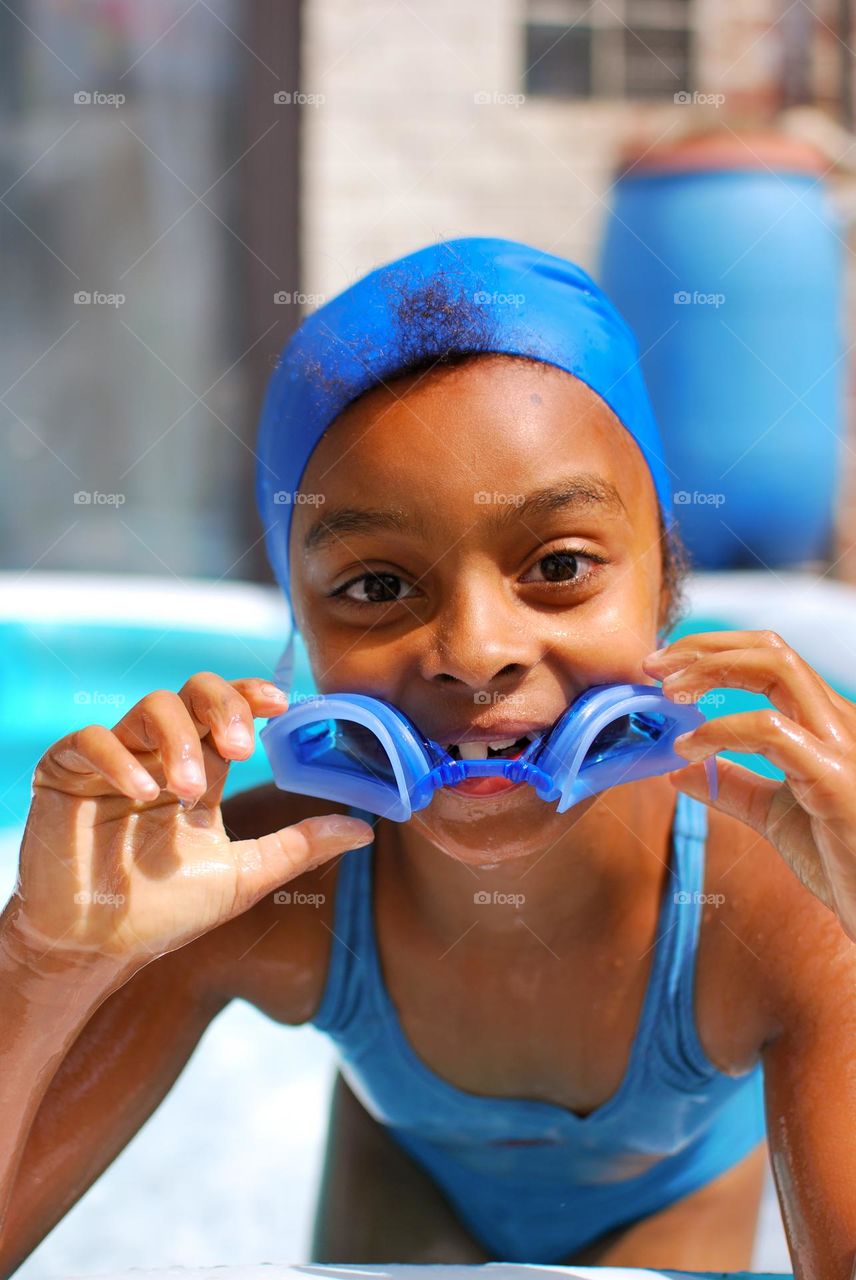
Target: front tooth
x=501 y=746
x=473 y=750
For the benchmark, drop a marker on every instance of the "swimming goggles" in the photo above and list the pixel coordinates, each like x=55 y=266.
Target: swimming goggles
x=365 y=752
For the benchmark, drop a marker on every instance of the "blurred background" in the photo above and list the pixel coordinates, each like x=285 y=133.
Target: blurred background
x=180 y=183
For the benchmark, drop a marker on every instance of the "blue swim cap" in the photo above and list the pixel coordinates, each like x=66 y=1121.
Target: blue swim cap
x=474 y=294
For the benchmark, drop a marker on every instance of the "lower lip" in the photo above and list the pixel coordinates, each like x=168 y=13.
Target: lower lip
x=484 y=787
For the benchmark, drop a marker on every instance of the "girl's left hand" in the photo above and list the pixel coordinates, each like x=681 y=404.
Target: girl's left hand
x=810 y=734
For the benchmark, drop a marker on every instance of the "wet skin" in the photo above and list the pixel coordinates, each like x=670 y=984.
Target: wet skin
x=529 y=606
x=538 y=1000
x=476 y=613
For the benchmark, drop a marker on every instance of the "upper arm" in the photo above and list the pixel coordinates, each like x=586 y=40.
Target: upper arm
x=810 y=1081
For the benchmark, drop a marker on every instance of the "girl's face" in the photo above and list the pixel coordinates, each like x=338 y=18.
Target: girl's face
x=482 y=545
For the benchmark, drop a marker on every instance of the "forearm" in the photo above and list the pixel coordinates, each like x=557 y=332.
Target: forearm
x=45 y=1001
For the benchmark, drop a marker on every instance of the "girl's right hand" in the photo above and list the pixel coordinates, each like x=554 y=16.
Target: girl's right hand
x=113 y=866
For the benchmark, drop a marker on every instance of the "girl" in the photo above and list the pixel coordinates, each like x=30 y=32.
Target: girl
x=563 y=1037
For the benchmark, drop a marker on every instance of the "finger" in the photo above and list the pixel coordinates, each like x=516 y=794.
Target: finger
x=161 y=724
x=770 y=808
x=90 y=756
x=780 y=674
x=820 y=778
x=227 y=709
x=675 y=655
x=742 y=793
x=272 y=860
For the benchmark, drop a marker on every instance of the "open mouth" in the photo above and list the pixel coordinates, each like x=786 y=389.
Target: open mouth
x=504 y=749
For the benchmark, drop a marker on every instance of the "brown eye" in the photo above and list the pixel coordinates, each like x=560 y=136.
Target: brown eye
x=569 y=568
x=372 y=588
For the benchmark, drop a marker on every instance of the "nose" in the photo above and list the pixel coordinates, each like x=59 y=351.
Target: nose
x=480 y=637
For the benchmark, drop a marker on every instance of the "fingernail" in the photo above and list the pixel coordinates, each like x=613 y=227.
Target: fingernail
x=655 y=654
x=189 y=772
x=239 y=736
x=146 y=783
x=271 y=691
x=346 y=829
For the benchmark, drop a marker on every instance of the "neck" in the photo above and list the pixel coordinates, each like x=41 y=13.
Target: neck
x=613 y=852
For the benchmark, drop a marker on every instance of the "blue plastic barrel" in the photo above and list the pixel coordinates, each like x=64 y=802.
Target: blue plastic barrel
x=724 y=256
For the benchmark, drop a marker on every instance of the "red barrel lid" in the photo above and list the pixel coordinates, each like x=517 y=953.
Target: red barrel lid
x=719 y=148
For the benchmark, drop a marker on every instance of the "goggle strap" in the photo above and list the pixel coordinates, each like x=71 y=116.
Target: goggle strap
x=284 y=670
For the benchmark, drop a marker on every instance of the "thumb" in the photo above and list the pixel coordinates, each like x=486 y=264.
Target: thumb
x=268 y=861
x=742 y=793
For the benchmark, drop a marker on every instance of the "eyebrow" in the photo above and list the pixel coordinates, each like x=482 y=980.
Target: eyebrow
x=582 y=492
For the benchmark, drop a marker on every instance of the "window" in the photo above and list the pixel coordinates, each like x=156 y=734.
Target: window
x=608 y=48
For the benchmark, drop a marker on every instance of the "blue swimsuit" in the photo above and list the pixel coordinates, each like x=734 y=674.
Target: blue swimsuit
x=532 y=1181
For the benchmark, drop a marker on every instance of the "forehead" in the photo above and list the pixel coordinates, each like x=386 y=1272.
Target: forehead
x=492 y=422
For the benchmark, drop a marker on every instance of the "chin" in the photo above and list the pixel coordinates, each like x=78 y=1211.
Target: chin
x=489 y=831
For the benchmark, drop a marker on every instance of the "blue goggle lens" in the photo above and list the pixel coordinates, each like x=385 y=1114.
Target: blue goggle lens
x=634 y=732
x=344 y=746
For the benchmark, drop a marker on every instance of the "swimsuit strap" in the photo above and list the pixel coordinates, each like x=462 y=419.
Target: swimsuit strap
x=678 y=1033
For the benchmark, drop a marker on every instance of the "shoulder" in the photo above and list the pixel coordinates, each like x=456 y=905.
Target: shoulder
x=275 y=955
x=769 y=950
